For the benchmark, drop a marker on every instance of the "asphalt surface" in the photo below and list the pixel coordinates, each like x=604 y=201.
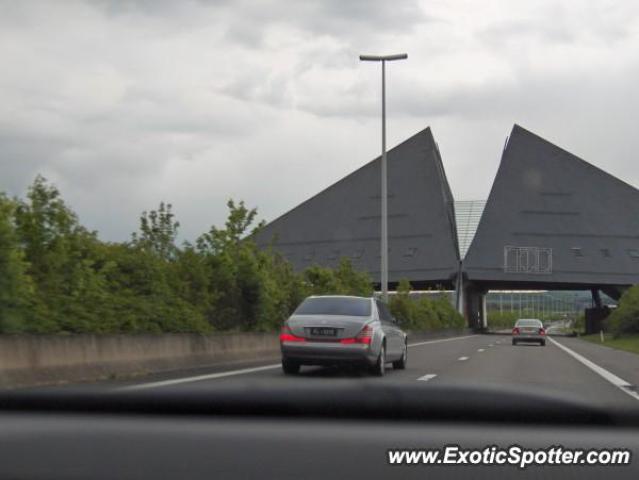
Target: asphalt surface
x=596 y=374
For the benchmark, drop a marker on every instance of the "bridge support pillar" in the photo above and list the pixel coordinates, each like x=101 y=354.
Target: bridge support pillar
x=460 y=288
x=475 y=307
x=596 y=297
x=484 y=311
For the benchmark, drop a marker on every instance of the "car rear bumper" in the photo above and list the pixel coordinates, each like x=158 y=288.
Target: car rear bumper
x=327 y=353
x=529 y=338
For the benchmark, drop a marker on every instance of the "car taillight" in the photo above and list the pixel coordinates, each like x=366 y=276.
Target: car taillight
x=515 y=331
x=542 y=331
x=365 y=336
x=286 y=335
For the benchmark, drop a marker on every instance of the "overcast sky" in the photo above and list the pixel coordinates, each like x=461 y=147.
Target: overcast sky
x=125 y=104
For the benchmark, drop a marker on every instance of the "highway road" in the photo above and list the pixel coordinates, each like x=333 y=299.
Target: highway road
x=566 y=366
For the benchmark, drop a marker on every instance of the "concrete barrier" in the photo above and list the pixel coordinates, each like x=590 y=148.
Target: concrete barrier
x=30 y=360
x=49 y=359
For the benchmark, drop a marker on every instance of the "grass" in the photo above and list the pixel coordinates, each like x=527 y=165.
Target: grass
x=629 y=343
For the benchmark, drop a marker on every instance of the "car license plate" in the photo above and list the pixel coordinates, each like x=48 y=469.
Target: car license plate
x=323 y=332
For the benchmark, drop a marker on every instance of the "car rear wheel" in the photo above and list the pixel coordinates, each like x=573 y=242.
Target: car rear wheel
x=542 y=343
x=290 y=367
x=401 y=363
x=514 y=342
x=380 y=365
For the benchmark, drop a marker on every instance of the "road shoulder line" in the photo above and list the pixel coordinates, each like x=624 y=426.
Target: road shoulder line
x=618 y=382
x=198 y=378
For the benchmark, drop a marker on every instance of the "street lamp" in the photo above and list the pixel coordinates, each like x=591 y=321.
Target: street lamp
x=384 y=233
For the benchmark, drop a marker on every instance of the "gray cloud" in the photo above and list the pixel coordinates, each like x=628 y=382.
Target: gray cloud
x=249 y=21
x=124 y=104
x=507 y=31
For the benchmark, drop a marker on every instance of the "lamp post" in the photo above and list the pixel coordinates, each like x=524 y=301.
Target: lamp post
x=384 y=233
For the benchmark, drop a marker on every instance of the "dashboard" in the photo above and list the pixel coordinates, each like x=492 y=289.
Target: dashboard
x=248 y=431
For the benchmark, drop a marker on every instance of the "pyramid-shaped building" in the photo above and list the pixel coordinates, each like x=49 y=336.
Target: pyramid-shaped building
x=343 y=221
x=553 y=220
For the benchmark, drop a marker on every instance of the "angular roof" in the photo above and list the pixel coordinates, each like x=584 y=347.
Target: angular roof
x=553 y=218
x=344 y=219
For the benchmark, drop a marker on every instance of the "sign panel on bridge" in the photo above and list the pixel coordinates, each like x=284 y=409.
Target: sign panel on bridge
x=527 y=260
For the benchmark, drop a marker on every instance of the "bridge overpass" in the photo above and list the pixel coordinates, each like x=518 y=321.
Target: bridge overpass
x=552 y=221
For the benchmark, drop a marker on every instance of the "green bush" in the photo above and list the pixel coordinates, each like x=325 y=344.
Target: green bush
x=625 y=318
x=16 y=286
x=344 y=280
x=58 y=277
x=425 y=313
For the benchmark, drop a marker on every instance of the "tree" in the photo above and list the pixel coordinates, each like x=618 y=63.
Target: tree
x=233 y=261
x=282 y=290
x=44 y=224
x=16 y=287
x=625 y=318
x=59 y=254
x=343 y=280
x=352 y=282
x=426 y=313
x=402 y=306
x=320 y=281
x=158 y=232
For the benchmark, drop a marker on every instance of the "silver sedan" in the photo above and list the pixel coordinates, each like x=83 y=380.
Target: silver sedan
x=529 y=330
x=334 y=330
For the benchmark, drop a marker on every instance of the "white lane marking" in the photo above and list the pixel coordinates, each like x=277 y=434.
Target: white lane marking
x=439 y=340
x=611 y=377
x=425 y=378
x=177 y=381
x=498 y=341
x=480 y=350
x=462 y=359
x=491 y=345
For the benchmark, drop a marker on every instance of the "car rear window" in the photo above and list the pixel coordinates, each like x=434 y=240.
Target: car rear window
x=528 y=323
x=359 y=307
